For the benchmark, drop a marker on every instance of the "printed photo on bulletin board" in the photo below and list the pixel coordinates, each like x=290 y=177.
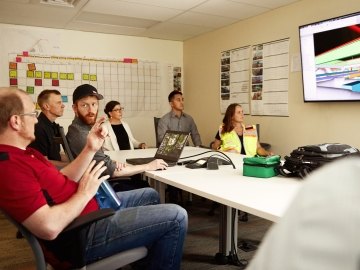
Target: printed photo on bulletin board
x=177 y=78
x=234 y=78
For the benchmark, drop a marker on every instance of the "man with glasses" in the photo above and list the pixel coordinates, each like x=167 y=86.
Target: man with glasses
x=85 y=105
x=46 y=129
x=46 y=201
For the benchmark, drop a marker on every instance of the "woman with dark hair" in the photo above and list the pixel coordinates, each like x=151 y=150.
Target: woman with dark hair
x=120 y=136
x=234 y=136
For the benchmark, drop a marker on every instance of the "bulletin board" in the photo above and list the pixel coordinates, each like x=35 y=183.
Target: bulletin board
x=135 y=83
x=235 y=78
x=257 y=77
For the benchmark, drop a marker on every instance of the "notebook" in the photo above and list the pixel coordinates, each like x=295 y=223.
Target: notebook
x=169 y=150
x=106 y=197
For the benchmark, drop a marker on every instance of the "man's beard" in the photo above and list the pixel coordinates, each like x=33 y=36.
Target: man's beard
x=86 y=120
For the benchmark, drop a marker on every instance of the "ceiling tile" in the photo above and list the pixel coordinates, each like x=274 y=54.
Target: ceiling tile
x=109 y=29
x=176 y=4
x=230 y=9
x=178 y=28
x=267 y=3
x=114 y=20
x=35 y=15
x=168 y=36
x=195 y=18
x=130 y=10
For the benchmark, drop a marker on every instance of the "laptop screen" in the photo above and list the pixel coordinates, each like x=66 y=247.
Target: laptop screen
x=172 y=145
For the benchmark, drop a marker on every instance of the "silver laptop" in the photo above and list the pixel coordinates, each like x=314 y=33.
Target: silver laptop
x=169 y=150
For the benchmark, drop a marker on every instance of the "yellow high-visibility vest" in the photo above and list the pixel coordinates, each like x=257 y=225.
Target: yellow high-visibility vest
x=230 y=141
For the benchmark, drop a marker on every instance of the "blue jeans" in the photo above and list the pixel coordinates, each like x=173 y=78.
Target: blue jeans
x=141 y=221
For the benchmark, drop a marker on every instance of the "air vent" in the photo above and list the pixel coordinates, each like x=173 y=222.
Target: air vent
x=62 y=3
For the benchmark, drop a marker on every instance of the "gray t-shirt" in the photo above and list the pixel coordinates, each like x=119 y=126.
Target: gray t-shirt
x=185 y=122
x=77 y=136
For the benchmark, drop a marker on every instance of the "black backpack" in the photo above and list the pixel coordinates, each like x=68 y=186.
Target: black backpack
x=305 y=159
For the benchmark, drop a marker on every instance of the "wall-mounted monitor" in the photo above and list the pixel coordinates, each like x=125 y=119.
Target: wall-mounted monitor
x=330 y=58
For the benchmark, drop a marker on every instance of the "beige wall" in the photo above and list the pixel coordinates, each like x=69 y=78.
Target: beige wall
x=308 y=123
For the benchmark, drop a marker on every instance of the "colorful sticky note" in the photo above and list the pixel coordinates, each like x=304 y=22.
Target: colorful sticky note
x=63 y=76
x=18 y=59
x=54 y=75
x=55 y=82
x=38 y=82
x=85 y=77
x=12 y=65
x=93 y=77
x=13 y=73
x=127 y=60
x=70 y=76
x=64 y=99
x=30 y=89
x=13 y=81
x=31 y=66
x=38 y=74
x=47 y=75
x=25 y=53
x=30 y=74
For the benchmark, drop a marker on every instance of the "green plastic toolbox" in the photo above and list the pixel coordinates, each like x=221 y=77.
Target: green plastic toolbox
x=262 y=167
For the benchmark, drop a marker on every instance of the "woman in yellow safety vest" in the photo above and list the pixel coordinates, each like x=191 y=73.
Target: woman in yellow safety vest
x=234 y=136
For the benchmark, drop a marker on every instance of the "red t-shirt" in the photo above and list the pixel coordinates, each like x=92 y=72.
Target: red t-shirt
x=25 y=176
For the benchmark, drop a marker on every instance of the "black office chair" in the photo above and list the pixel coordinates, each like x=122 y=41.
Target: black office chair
x=64 y=143
x=156 y=123
x=264 y=145
x=113 y=262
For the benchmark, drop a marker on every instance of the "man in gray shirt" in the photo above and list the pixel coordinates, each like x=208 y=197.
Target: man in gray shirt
x=177 y=120
x=85 y=106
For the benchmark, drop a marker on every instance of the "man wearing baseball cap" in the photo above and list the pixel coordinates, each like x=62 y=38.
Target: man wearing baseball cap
x=85 y=105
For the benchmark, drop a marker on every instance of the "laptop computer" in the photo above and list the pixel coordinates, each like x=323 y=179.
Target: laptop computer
x=169 y=150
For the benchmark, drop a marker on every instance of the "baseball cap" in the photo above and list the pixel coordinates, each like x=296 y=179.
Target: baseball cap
x=85 y=90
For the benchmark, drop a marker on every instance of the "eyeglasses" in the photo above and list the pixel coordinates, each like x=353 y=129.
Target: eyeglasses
x=33 y=114
x=118 y=110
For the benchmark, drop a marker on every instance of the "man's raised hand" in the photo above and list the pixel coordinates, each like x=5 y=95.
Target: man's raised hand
x=97 y=134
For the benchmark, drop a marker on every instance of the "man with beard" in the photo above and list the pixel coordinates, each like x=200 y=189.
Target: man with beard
x=85 y=105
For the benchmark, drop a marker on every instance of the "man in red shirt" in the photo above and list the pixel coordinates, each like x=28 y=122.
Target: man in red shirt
x=46 y=200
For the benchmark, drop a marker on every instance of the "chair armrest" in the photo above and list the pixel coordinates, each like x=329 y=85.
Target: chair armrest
x=118 y=178
x=89 y=218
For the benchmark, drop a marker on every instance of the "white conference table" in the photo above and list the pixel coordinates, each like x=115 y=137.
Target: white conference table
x=267 y=198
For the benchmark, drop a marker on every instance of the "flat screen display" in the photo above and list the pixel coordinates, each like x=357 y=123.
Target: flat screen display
x=330 y=58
